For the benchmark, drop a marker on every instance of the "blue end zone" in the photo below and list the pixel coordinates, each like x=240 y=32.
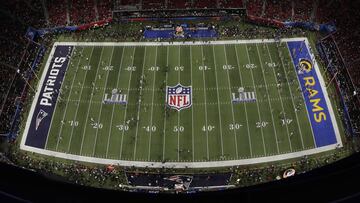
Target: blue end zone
x=45 y=104
x=209 y=33
x=316 y=105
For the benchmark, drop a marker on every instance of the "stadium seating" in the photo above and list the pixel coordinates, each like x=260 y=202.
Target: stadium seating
x=231 y=4
x=57 y=12
x=104 y=9
x=153 y=4
x=254 y=7
x=278 y=10
x=303 y=10
x=175 y=4
x=82 y=11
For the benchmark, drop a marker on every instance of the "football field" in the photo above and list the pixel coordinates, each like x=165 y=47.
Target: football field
x=247 y=100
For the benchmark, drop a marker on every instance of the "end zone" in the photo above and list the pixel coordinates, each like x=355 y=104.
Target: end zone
x=42 y=109
x=319 y=108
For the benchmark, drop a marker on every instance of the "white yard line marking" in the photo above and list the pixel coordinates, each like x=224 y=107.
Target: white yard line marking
x=287 y=79
x=281 y=100
x=178 y=113
x=271 y=108
x=218 y=98
x=89 y=107
x=139 y=106
x=246 y=114
x=166 y=77
x=152 y=101
x=101 y=106
x=66 y=105
x=158 y=164
x=126 y=106
x=78 y=104
x=206 y=121
x=257 y=103
x=192 y=109
x=113 y=109
x=232 y=105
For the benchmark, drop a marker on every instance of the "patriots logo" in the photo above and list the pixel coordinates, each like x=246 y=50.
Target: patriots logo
x=40 y=116
x=178 y=97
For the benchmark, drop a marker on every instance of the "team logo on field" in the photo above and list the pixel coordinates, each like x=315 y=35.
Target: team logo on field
x=305 y=65
x=115 y=98
x=178 y=97
x=40 y=116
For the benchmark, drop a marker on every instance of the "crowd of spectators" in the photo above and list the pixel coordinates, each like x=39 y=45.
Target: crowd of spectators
x=284 y=10
x=278 y=10
x=343 y=56
x=12 y=51
x=16 y=55
x=82 y=11
x=98 y=176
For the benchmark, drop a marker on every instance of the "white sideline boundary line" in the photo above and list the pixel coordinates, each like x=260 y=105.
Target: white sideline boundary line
x=326 y=95
x=220 y=42
x=178 y=164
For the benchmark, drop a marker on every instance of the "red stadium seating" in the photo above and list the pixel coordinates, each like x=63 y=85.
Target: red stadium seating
x=57 y=12
x=82 y=11
x=231 y=4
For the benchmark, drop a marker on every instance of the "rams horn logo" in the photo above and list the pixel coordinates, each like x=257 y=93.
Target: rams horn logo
x=40 y=116
x=305 y=65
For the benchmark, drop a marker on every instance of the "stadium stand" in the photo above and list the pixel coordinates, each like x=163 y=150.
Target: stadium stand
x=57 y=13
x=104 y=9
x=278 y=10
x=173 y=4
x=231 y=4
x=255 y=7
x=17 y=54
x=82 y=11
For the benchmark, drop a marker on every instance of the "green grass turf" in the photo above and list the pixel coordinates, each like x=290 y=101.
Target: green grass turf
x=212 y=129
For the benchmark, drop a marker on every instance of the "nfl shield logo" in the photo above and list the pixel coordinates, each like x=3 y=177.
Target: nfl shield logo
x=178 y=97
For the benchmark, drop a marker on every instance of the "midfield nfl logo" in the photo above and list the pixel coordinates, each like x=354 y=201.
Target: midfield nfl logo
x=178 y=97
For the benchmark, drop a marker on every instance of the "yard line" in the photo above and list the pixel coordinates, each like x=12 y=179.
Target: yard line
x=112 y=113
x=297 y=119
x=206 y=121
x=217 y=90
x=257 y=103
x=89 y=107
x=101 y=106
x=152 y=101
x=66 y=105
x=77 y=108
x=282 y=105
x=232 y=107
x=192 y=109
x=268 y=96
x=126 y=106
x=166 y=77
x=139 y=106
x=178 y=112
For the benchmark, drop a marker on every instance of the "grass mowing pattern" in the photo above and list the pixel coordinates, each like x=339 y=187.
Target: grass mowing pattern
x=212 y=129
